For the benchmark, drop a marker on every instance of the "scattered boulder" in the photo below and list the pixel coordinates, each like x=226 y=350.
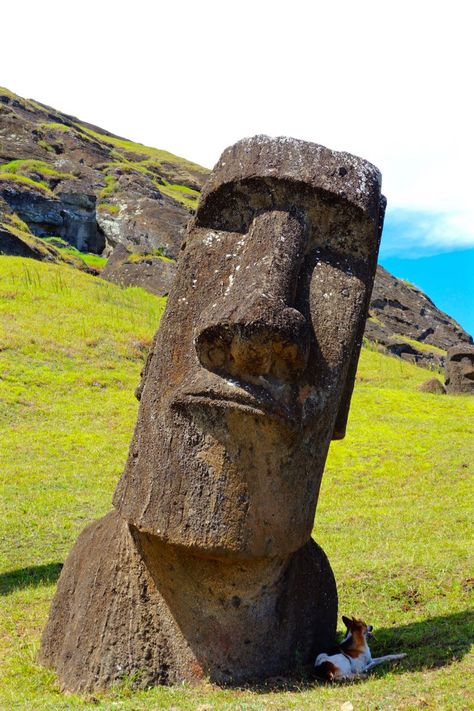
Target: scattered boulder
x=206 y=567
x=152 y=272
x=459 y=372
x=434 y=386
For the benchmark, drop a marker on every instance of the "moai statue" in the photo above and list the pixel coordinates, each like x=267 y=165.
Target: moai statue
x=206 y=566
x=459 y=369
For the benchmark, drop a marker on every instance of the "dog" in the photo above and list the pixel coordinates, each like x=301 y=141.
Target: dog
x=353 y=658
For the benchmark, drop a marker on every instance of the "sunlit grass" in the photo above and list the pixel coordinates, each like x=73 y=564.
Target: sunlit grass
x=394 y=514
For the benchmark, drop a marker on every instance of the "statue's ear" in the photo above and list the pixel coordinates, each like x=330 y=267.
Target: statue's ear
x=345 y=401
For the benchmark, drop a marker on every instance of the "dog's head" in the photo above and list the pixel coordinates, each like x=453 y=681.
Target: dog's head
x=357 y=628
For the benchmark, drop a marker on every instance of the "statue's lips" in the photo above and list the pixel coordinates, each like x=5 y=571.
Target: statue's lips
x=253 y=400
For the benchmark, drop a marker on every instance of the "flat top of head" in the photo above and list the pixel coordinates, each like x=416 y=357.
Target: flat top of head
x=342 y=174
x=461 y=349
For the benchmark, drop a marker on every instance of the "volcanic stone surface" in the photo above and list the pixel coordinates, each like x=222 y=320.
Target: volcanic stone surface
x=459 y=370
x=407 y=323
x=153 y=273
x=433 y=386
x=206 y=567
x=67 y=178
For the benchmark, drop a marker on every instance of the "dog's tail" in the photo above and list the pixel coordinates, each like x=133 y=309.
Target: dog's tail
x=326 y=670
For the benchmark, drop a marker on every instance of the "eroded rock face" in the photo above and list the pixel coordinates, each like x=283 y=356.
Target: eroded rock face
x=206 y=567
x=459 y=371
x=400 y=310
x=70 y=216
x=153 y=273
x=93 y=189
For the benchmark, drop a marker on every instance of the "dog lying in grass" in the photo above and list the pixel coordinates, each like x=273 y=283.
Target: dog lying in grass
x=353 y=658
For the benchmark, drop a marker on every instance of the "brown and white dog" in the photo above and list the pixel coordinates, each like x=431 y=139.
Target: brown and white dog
x=353 y=658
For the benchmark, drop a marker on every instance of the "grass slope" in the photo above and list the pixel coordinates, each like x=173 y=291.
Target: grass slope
x=394 y=510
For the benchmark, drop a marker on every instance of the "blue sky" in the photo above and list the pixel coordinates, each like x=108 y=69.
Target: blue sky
x=413 y=248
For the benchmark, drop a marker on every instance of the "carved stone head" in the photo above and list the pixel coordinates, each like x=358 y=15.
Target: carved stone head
x=252 y=369
x=459 y=369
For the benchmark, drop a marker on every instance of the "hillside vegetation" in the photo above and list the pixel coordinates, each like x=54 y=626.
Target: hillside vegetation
x=393 y=516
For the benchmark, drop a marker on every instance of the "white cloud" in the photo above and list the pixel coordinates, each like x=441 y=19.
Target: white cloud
x=389 y=81
x=416 y=233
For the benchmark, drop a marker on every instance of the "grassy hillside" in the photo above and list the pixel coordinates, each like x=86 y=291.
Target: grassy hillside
x=394 y=512
x=42 y=133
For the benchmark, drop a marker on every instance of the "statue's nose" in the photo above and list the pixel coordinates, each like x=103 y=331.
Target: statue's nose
x=254 y=329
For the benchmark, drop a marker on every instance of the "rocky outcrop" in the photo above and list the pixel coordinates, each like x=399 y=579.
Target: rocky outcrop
x=71 y=179
x=152 y=272
x=16 y=239
x=405 y=322
x=71 y=216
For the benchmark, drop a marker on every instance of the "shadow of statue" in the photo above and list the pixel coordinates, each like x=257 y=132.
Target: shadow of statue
x=429 y=644
x=31 y=576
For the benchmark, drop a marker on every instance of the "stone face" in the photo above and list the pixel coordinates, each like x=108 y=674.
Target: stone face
x=249 y=377
x=459 y=372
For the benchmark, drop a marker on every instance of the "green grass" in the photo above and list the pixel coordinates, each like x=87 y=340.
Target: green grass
x=182 y=193
x=28 y=166
x=394 y=514
x=108 y=207
x=135 y=257
x=421 y=346
x=24 y=181
x=68 y=251
x=158 y=155
x=6 y=92
x=111 y=185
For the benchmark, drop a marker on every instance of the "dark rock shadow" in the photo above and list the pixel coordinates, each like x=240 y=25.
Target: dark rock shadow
x=29 y=577
x=429 y=644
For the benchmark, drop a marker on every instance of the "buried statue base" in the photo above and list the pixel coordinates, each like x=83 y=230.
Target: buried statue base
x=206 y=567
x=129 y=606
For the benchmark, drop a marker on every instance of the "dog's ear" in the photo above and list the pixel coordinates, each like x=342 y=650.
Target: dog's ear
x=347 y=622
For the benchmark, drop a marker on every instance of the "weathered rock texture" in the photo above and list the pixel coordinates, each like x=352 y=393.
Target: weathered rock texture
x=16 y=239
x=67 y=178
x=206 y=567
x=459 y=372
x=406 y=322
x=153 y=273
x=433 y=386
